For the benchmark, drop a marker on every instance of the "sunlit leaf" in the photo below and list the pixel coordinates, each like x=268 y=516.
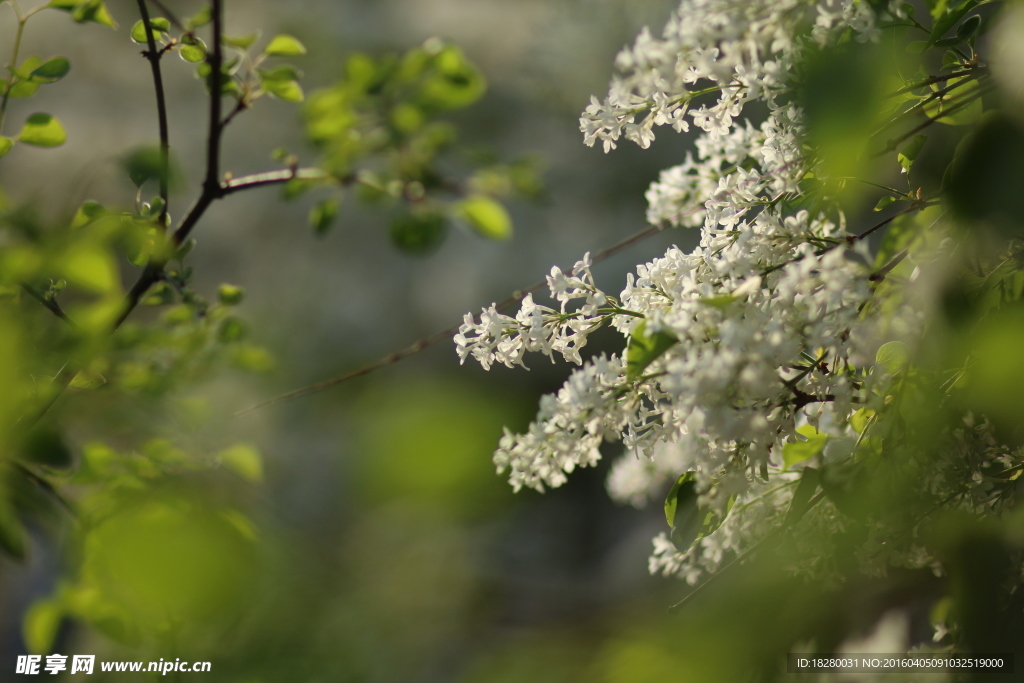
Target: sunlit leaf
x=910 y=151
x=486 y=216
x=646 y=348
x=285 y=46
x=6 y=145
x=800 y=451
x=42 y=130
x=893 y=356
x=40 y=624
x=244 y=460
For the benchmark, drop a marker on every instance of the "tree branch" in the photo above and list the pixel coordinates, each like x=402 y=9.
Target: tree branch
x=153 y=55
x=50 y=304
x=234 y=185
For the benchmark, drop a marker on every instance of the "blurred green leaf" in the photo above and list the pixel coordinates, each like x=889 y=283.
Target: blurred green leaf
x=86 y=11
x=419 y=232
x=52 y=69
x=230 y=295
x=13 y=537
x=241 y=42
x=910 y=151
x=42 y=130
x=323 y=214
x=244 y=460
x=285 y=46
x=800 y=451
x=893 y=356
x=805 y=490
x=40 y=624
x=884 y=202
x=288 y=91
x=6 y=145
x=486 y=216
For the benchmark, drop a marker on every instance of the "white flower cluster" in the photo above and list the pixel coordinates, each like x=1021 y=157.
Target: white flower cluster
x=730 y=347
x=743 y=50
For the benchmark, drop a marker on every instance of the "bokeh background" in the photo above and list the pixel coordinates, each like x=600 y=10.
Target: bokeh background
x=388 y=549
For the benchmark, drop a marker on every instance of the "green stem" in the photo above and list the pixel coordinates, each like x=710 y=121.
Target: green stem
x=14 y=64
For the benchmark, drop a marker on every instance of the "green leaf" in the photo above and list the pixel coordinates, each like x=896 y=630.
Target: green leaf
x=720 y=301
x=945 y=18
x=486 y=216
x=893 y=356
x=42 y=130
x=644 y=349
x=143 y=164
x=910 y=152
x=52 y=69
x=243 y=460
x=158 y=24
x=688 y=521
x=230 y=295
x=289 y=91
x=285 y=46
x=884 y=202
x=322 y=215
x=193 y=54
x=859 y=420
x=6 y=145
x=240 y=42
x=40 y=625
x=805 y=490
x=418 y=233
x=86 y=11
x=793 y=453
x=680 y=491
x=282 y=72
x=200 y=18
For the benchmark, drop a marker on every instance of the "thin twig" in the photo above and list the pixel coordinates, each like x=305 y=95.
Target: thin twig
x=170 y=16
x=426 y=342
x=255 y=180
x=50 y=303
x=961 y=102
x=153 y=55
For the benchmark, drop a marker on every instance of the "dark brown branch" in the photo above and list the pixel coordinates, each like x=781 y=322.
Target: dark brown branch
x=211 y=185
x=153 y=55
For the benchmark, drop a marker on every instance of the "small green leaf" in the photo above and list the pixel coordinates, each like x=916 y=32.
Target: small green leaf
x=244 y=460
x=230 y=295
x=805 y=490
x=158 y=24
x=40 y=625
x=143 y=164
x=193 y=51
x=486 y=216
x=322 y=215
x=644 y=349
x=42 y=130
x=285 y=46
x=289 y=91
x=680 y=491
x=6 y=145
x=793 y=453
x=911 y=151
x=720 y=301
x=893 y=356
x=52 y=69
x=200 y=18
x=241 y=42
x=945 y=18
x=418 y=233
x=884 y=202
x=917 y=47
x=859 y=420
x=85 y=11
